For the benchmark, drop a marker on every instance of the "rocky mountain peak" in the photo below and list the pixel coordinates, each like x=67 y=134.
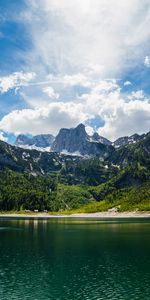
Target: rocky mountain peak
x=37 y=141
x=100 y=139
x=96 y=136
x=77 y=141
x=128 y=140
x=22 y=139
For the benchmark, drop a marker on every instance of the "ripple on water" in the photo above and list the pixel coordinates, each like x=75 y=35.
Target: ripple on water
x=81 y=263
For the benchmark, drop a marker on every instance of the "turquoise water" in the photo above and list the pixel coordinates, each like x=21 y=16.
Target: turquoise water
x=74 y=259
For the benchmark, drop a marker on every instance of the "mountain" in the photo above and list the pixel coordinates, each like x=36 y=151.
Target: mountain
x=39 y=142
x=100 y=139
x=73 y=141
x=77 y=142
x=72 y=147
x=31 y=179
x=133 y=153
x=128 y=140
x=26 y=160
x=68 y=169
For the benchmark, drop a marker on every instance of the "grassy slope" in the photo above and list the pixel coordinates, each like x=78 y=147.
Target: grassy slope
x=130 y=199
x=20 y=192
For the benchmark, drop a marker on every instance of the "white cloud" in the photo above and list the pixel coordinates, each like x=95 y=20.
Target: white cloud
x=137 y=95
x=77 y=45
x=15 y=80
x=50 y=92
x=127 y=83
x=129 y=118
x=48 y=119
x=2 y=137
x=147 y=61
x=122 y=115
x=89 y=130
x=111 y=35
x=70 y=80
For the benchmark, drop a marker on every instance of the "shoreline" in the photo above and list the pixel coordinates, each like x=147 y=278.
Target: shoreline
x=100 y=215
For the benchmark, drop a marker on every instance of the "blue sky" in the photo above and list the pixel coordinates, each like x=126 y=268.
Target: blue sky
x=67 y=62
x=14 y=37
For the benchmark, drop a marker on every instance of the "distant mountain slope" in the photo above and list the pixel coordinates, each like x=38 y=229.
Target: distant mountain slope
x=33 y=179
x=69 y=169
x=128 y=140
x=100 y=139
x=75 y=141
x=41 y=141
x=68 y=141
x=132 y=153
x=24 y=160
x=75 y=145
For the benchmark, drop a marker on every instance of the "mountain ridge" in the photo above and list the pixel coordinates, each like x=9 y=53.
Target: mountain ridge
x=74 y=141
x=40 y=141
x=32 y=179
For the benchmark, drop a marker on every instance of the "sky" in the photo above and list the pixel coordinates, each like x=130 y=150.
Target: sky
x=68 y=62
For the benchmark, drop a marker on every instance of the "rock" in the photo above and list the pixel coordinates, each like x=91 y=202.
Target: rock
x=38 y=141
x=76 y=140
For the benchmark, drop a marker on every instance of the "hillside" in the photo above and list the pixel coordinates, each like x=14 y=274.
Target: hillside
x=31 y=179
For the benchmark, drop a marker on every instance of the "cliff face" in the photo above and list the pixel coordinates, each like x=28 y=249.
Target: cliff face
x=76 y=140
x=39 y=141
x=128 y=140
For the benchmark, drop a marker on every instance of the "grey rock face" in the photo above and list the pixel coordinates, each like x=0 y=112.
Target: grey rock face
x=39 y=141
x=97 y=138
x=25 y=160
x=43 y=140
x=71 y=140
x=128 y=140
x=76 y=140
x=22 y=139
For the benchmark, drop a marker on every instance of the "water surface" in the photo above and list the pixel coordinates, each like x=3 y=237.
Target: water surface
x=66 y=259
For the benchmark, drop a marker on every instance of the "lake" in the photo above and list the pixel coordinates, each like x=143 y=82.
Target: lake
x=74 y=259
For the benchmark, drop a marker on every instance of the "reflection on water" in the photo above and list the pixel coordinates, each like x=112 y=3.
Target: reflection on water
x=74 y=259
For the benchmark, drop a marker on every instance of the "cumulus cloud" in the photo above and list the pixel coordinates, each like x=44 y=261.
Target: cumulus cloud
x=147 y=61
x=50 y=92
x=70 y=80
x=48 y=119
x=127 y=83
x=76 y=46
x=107 y=36
x=137 y=95
x=15 y=80
x=89 y=130
x=128 y=118
x=120 y=114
